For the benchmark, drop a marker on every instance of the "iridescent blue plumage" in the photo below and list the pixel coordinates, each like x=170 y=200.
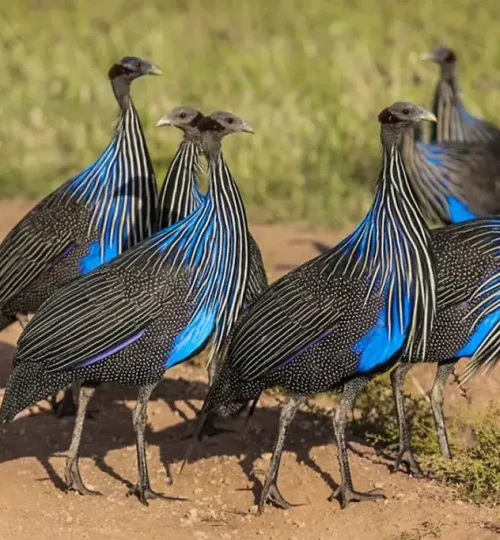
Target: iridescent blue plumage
x=152 y=307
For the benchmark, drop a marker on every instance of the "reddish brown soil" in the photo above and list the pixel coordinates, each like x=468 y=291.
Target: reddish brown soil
x=223 y=480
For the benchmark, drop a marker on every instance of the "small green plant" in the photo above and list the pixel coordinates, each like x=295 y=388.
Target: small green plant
x=474 y=472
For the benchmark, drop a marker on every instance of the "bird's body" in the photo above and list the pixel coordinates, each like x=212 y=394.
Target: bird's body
x=154 y=306
x=343 y=316
x=467 y=321
x=88 y=221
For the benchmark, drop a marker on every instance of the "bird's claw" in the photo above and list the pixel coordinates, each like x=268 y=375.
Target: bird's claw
x=272 y=495
x=145 y=493
x=406 y=455
x=346 y=494
x=74 y=481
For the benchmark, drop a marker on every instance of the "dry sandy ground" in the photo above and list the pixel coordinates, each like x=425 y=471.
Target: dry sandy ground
x=223 y=480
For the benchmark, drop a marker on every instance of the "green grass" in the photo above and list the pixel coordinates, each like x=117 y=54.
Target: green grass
x=310 y=76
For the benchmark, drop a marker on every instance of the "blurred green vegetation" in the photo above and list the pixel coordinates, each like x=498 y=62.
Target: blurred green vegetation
x=310 y=77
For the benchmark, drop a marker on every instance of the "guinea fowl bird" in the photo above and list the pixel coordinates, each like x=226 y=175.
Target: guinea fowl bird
x=454 y=181
x=181 y=194
x=151 y=308
x=89 y=220
x=333 y=322
x=467 y=321
x=454 y=122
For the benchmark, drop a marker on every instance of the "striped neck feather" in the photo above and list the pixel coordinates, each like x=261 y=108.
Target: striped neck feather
x=119 y=187
x=391 y=248
x=179 y=195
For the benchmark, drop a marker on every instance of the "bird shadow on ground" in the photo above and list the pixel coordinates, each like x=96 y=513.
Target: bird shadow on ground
x=43 y=436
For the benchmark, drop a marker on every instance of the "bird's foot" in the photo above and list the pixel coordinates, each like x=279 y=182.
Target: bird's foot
x=272 y=495
x=145 y=493
x=74 y=480
x=346 y=494
x=406 y=455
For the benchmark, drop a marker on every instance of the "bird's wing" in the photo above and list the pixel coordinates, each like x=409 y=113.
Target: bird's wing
x=91 y=318
x=292 y=315
x=30 y=249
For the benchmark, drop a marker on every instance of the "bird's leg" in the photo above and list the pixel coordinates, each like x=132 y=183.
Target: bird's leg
x=437 y=399
x=72 y=472
x=67 y=406
x=270 y=492
x=346 y=490
x=143 y=489
x=398 y=375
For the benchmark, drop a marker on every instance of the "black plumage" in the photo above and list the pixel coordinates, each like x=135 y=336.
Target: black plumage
x=454 y=122
x=338 y=319
x=154 y=306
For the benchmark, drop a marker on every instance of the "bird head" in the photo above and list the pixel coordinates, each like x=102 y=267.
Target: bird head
x=405 y=114
x=131 y=67
x=185 y=118
x=441 y=55
x=225 y=123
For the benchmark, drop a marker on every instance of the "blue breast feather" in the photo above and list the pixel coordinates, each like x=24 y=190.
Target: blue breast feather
x=101 y=187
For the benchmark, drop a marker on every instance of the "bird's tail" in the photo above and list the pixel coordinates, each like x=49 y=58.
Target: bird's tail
x=28 y=383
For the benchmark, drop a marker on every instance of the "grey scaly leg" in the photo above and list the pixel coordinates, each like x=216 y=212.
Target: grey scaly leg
x=143 y=488
x=437 y=399
x=346 y=490
x=72 y=472
x=405 y=450
x=270 y=491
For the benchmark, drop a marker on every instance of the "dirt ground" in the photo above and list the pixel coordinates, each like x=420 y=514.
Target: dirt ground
x=224 y=478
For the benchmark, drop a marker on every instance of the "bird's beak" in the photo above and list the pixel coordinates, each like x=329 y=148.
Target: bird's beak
x=164 y=121
x=428 y=57
x=246 y=127
x=154 y=70
x=427 y=116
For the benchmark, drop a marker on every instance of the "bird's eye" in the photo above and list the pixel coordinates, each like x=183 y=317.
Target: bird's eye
x=138 y=64
x=229 y=120
x=183 y=115
x=406 y=111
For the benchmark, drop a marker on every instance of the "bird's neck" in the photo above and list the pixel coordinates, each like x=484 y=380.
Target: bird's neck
x=176 y=198
x=121 y=90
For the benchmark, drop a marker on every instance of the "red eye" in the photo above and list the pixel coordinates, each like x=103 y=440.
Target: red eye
x=138 y=64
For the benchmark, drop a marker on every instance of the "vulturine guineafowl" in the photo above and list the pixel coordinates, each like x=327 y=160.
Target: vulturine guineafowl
x=335 y=321
x=89 y=220
x=153 y=307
